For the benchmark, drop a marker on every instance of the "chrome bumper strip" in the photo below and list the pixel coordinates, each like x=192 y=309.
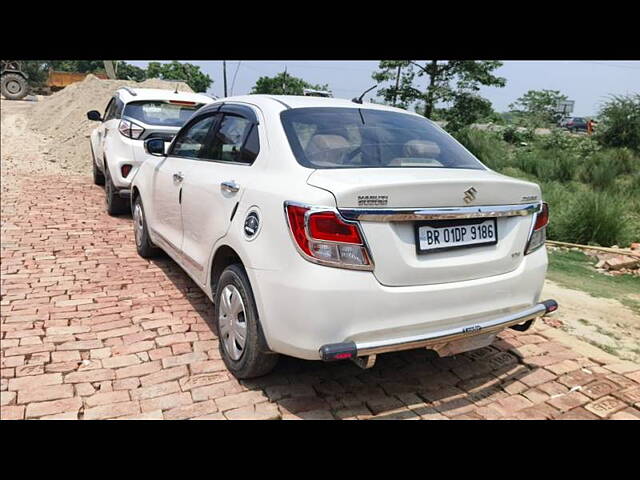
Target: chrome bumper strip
x=350 y=349
x=441 y=213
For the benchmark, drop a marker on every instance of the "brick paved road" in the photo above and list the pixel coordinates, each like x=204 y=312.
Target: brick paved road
x=90 y=330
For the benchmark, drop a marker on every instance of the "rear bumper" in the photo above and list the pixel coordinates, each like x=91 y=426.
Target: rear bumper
x=308 y=306
x=339 y=351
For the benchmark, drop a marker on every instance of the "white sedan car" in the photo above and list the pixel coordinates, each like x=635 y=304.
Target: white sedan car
x=326 y=229
x=132 y=116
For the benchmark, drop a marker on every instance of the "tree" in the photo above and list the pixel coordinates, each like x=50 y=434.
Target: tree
x=125 y=71
x=83 y=66
x=467 y=108
x=186 y=72
x=37 y=71
x=284 y=84
x=619 y=122
x=446 y=81
x=538 y=106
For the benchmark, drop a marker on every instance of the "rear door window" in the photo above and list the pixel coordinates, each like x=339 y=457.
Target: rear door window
x=110 y=111
x=236 y=140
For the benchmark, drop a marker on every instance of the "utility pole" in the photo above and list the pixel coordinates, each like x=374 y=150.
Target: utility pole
x=284 y=81
x=224 y=74
x=395 y=92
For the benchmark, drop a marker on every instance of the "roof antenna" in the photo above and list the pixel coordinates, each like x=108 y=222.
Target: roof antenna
x=359 y=99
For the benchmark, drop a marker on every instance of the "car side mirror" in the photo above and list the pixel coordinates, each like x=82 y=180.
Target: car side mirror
x=94 y=115
x=154 y=146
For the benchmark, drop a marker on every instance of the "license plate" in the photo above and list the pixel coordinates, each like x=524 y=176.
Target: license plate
x=455 y=234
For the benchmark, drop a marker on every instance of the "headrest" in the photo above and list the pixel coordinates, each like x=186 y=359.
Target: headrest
x=421 y=148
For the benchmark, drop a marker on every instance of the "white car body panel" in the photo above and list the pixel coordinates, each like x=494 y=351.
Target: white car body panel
x=302 y=305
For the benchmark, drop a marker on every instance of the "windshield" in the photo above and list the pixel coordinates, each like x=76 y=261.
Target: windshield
x=158 y=112
x=366 y=138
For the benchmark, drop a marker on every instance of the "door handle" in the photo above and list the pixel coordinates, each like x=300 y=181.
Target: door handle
x=177 y=177
x=231 y=186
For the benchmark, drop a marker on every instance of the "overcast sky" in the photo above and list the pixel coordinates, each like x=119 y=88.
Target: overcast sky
x=588 y=83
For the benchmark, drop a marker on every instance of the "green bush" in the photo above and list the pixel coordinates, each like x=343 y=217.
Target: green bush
x=489 y=149
x=624 y=158
x=547 y=165
x=599 y=171
x=594 y=218
x=602 y=169
x=619 y=124
x=515 y=136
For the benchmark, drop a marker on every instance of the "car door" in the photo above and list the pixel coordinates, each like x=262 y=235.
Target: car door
x=103 y=130
x=168 y=178
x=213 y=186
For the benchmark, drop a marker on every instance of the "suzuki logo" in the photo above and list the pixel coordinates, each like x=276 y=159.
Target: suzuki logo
x=470 y=195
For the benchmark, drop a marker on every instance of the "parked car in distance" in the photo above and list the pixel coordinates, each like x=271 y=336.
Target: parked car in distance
x=132 y=116
x=574 y=124
x=325 y=229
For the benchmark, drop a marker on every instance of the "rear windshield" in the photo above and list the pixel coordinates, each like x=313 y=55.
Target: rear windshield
x=365 y=138
x=160 y=113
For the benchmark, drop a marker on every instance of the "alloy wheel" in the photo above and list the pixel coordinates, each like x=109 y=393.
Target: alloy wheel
x=232 y=322
x=138 y=223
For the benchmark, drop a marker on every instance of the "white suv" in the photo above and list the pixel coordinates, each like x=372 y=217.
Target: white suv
x=326 y=229
x=132 y=116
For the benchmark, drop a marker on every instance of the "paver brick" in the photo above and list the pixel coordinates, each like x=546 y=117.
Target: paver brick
x=28 y=382
x=166 y=402
x=40 y=394
x=155 y=390
x=112 y=410
x=192 y=410
x=13 y=412
x=138 y=370
x=97 y=375
x=39 y=409
x=568 y=401
x=239 y=400
x=261 y=411
x=106 y=398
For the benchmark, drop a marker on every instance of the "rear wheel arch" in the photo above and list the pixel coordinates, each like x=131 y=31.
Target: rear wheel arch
x=223 y=257
x=135 y=193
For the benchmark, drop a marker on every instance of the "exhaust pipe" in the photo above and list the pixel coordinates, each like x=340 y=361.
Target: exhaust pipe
x=550 y=307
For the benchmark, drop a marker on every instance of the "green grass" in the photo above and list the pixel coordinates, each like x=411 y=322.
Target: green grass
x=576 y=270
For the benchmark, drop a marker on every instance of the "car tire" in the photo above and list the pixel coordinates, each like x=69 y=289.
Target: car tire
x=98 y=176
x=144 y=245
x=235 y=314
x=115 y=204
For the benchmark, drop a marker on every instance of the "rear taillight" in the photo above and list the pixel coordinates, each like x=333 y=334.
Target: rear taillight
x=125 y=169
x=322 y=236
x=539 y=232
x=130 y=129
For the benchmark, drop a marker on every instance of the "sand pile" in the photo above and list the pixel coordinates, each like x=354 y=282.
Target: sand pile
x=62 y=117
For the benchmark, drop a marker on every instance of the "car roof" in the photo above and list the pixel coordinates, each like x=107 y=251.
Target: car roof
x=300 y=101
x=136 y=94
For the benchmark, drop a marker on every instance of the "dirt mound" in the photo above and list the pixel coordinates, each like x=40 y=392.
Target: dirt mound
x=62 y=117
